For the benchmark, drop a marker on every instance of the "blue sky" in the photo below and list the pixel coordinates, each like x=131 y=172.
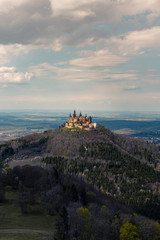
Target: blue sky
x=88 y=54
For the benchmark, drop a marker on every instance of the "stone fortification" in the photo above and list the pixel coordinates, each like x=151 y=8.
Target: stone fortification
x=79 y=121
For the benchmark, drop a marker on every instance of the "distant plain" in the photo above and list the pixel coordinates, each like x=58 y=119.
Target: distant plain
x=145 y=125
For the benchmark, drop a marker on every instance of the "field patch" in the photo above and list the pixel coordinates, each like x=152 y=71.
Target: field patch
x=36 y=224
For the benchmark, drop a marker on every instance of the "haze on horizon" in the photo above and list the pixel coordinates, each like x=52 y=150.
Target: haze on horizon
x=89 y=54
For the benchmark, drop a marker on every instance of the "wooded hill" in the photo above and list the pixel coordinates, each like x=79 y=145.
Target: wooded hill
x=67 y=207
x=124 y=168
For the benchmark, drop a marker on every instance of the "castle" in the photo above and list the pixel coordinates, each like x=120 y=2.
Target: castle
x=82 y=122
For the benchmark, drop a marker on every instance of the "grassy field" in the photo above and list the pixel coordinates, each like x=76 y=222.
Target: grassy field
x=126 y=131
x=23 y=236
x=35 y=225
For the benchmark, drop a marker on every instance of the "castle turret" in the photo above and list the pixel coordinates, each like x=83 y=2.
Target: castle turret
x=74 y=114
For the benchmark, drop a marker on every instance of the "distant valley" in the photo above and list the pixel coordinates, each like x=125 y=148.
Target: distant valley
x=139 y=125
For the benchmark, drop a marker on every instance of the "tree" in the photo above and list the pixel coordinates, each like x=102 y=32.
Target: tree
x=157 y=226
x=2 y=189
x=128 y=231
x=62 y=226
x=84 y=223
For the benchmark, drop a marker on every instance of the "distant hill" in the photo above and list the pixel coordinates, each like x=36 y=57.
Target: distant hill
x=125 y=168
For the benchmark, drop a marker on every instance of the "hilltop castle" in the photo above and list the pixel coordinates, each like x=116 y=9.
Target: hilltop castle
x=82 y=122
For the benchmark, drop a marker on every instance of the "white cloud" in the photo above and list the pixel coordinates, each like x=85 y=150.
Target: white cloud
x=57 y=45
x=131 y=88
x=69 y=99
x=128 y=76
x=155 y=97
x=72 y=8
x=8 y=5
x=134 y=41
x=69 y=74
x=13 y=50
x=77 y=74
x=98 y=59
x=5 y=86
x=11 y=75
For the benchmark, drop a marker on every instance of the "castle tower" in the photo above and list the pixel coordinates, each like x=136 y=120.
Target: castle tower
x=74 y=114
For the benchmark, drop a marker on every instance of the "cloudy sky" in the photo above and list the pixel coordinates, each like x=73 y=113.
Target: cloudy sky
x=88 y=54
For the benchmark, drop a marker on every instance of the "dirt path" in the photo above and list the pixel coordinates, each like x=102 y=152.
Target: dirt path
x=18 y=230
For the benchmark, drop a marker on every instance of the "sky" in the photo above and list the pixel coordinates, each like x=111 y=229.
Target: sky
x=86 y=55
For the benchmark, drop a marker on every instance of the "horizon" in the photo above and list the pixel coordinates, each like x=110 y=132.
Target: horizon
x=110 y=115
x=68 y=111
x=18 y=123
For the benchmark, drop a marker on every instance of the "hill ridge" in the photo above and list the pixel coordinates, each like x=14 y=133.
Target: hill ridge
x=125 y=168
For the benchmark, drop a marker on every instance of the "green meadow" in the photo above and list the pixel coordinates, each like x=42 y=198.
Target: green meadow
x=35 y=225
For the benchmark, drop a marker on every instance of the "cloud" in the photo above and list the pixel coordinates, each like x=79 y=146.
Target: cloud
x=156 y=97
x=8 y=5
x=69 y=74
x=124 y=76
x=11 y=75
x=65 y=22
x=134 y=41
x=98 y=37
x=13 y=50
x=98 y=59
x=81 y=98
x=80 y=75
x=114 y=8
x=131 y=88
x=25 y=21
x=72 y=8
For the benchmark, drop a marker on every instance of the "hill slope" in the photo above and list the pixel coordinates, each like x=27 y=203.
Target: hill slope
x=125 y=168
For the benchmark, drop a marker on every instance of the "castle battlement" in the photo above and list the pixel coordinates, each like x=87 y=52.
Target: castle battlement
x=79 y=121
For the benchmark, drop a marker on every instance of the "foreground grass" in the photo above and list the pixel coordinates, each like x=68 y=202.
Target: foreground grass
x=37 y=222
x=22 y=236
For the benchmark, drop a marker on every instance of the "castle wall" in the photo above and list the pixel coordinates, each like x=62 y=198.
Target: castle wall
x=82 y=122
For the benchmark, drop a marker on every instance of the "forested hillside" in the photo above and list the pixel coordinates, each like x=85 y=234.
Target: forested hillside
x=79 y=210
x=124 y=168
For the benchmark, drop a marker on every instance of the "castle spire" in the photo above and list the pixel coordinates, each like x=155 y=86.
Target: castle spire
x=74 y=115
x=90 y=119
